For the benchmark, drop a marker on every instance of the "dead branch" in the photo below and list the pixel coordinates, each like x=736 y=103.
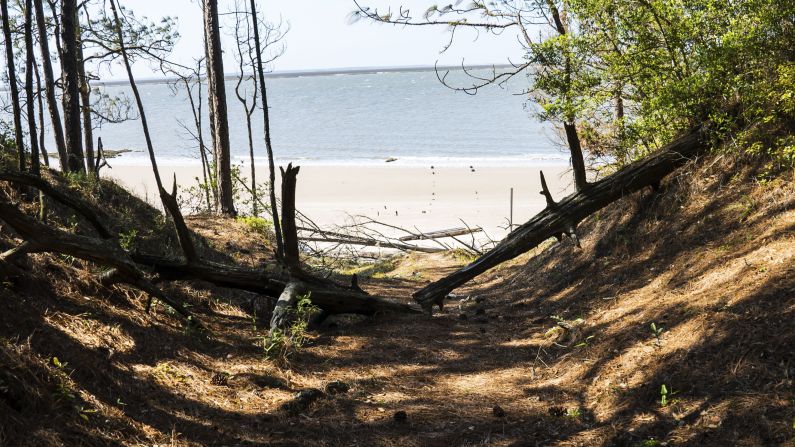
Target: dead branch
x=453 y=232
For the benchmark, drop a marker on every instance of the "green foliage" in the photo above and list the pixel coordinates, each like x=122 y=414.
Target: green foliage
x=81 y=181
x=663 y=395
x=573 y=413
x=257 y=224
x=280 y=345
x=127 y=239
x=649 y=443
x=674 y=64
x=657 y=331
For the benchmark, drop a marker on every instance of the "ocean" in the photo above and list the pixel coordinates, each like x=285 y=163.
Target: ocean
x=352 y=118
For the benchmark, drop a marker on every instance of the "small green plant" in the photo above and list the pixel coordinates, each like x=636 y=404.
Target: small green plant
x=83 y=412
x=463 y=255
x=257 y=224
x=584 y=343
x=573 y=413
x=651 y=442
x=280 y=345
x=665 y=396
x=657 y=331
x=127 y=239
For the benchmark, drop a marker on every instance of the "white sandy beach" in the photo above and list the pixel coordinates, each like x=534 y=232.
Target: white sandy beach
x=411 y=197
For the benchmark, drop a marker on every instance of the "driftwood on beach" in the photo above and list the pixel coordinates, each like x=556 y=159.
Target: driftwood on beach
x=561 y=218
x=453 y=232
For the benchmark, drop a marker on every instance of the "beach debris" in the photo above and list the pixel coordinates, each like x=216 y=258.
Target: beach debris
x=391 y=159
x=452 y=232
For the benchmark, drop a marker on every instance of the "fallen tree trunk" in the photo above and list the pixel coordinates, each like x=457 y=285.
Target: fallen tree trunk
x=73 y=201
x=441 y=234
x=328 y=296
x=331 y=299
x=563 y=217
x=41 y=238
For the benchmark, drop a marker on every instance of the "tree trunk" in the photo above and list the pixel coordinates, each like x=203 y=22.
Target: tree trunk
x=215 y=71
x=44 y=238
x=85 y=109
x=569 y=125
x=13 y=87
x=71 y=91
x=266 y=117
x=564 y=216
x=31 y=100
x=169 y=200
x=289 y=229
x=40 y=100
x=240 y=92
x=49 y=85
x=577 y=160
x=196 y=109
x=284 y=313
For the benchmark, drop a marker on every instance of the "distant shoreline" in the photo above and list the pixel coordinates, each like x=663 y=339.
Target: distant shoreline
x=321 y=72
x=530 y=161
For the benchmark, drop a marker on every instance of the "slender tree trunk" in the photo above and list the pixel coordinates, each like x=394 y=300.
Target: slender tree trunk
x=241 y=94
x=215 y=71
x=13 y=87
x=31 y=100
x=71 y=91
x=577 y=160
x=197 y=121
x=254 y=195
x=85 y=108
x=210 y=115
x=169 y=200
x=569 y=125
x=49 y=85
x=266 y=117
x=39 y=98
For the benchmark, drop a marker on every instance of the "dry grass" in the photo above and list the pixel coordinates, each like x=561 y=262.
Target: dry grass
x=709 y=261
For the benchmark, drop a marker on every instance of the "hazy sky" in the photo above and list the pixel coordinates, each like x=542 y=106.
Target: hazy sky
x=321 y=36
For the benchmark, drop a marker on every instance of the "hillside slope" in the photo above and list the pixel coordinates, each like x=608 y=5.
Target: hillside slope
x=555 y=348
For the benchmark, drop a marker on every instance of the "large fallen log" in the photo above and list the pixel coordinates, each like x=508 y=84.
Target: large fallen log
x=331 y=299
x=126 y=267
x=71 y=200
x=41 y=238
x=563 y=217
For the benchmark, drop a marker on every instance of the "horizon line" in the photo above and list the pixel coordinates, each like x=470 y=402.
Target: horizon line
x=319 y=72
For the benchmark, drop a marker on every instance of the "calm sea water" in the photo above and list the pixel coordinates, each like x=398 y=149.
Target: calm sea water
x=353 y=119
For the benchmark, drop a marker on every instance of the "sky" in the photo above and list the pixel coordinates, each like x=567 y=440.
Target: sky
x=322 y=37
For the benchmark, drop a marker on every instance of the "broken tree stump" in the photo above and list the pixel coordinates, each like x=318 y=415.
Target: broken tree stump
x=283 y=313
